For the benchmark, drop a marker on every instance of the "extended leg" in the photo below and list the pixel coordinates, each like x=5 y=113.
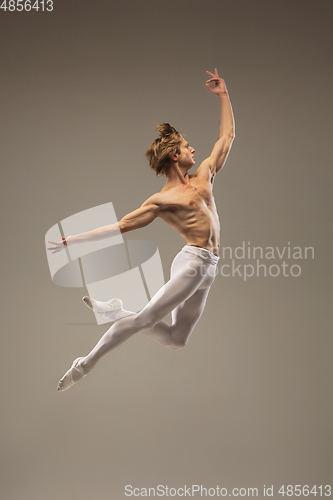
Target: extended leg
x=179 y=288
x=182 y=285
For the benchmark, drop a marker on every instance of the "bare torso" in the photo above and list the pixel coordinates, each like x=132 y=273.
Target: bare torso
x=190 y=209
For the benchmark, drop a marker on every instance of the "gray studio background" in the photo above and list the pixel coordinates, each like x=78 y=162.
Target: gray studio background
x=249 y=401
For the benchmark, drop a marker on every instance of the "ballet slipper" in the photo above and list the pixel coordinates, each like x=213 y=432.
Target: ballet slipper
x=67 y=380
x=109 y=309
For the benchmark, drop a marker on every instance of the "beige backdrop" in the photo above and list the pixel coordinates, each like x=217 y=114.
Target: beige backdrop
x=248 y=402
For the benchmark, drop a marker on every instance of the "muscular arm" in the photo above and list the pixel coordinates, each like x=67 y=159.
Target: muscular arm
x=222 y=147
x=134 y=220
x=215 y=162
x=140 y=217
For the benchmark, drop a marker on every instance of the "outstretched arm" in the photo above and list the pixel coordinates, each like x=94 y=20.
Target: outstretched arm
x=134 y=220
x=142 y=216
x=222 y=147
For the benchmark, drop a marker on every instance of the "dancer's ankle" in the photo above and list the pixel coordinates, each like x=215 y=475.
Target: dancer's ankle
x=86 y=366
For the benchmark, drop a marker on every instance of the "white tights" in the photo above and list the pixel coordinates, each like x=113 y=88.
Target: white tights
x=184 y=295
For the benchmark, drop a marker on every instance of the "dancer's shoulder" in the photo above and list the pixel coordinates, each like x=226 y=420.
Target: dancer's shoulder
x=161 y=199
x=155 y=199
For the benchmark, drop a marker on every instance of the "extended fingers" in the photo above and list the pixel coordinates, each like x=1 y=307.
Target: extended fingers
x=215 y=74
x=55 y=242
x=58 y=246
x=63 y=242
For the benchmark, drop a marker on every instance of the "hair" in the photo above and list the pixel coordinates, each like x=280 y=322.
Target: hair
x=168 y=143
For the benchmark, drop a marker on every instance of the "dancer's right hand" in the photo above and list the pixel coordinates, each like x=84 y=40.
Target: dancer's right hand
x=60 y=245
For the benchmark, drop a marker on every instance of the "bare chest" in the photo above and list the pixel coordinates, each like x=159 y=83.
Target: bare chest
x=193 y=196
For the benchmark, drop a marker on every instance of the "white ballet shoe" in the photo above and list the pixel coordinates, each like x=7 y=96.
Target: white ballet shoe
x=67 y=380
x=110 y=309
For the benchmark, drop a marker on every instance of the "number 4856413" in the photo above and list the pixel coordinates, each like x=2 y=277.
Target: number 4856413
x=27 y=5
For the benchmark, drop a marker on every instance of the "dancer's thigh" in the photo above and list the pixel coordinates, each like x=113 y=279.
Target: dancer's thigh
x=186 y=315
x=184 y=282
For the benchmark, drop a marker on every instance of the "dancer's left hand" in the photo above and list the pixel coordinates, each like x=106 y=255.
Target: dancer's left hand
x=220 y=86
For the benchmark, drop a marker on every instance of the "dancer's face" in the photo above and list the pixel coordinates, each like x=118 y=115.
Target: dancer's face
x=186 y=156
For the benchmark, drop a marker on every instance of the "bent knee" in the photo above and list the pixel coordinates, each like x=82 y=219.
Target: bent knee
x=178 y=344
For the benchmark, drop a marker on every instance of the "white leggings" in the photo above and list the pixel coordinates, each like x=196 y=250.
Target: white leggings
x=184 y=295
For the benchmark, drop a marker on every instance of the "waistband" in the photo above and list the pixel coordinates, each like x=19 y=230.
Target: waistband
x=202 y=253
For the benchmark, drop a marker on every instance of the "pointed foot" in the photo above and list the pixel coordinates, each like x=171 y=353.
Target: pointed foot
x=73 y=375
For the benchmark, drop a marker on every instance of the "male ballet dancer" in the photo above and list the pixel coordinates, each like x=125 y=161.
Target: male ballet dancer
x=187 y=204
